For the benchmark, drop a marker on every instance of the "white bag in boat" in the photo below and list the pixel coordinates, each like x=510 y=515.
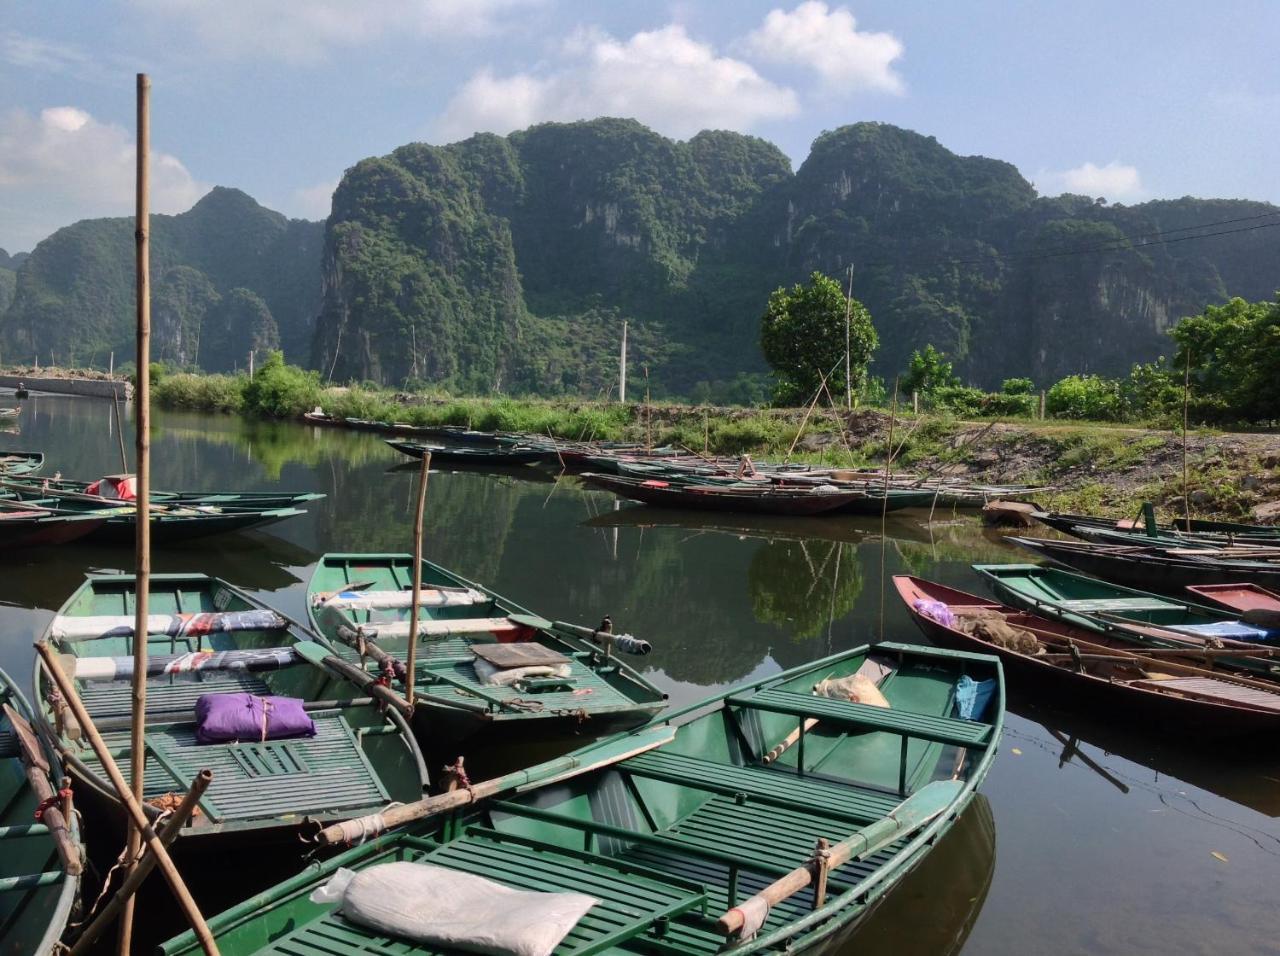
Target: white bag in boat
x=506 y=676
x=855 y=687
x=436 y=905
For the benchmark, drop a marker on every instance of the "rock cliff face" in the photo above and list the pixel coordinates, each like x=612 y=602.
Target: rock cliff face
x=510 y=263
x=514 y=260
x=225 y=274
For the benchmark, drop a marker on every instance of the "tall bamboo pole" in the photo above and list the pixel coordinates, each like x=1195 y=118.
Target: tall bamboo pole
x=848 y=322
x=884 y=504
x=622 y=367
x=1186 y=402
x=142 y=540
x=417 y=579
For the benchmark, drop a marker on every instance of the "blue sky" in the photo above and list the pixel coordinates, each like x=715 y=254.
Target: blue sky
x=1131 y=100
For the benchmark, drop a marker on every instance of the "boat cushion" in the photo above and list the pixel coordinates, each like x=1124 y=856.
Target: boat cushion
x=445 y=907
x=221 y=718
x=387 y=600
x=74 y=628
x=1233 y=630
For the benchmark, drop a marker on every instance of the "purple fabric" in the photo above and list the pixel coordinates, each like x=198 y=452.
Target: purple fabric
x=221 y=718
x=937 y=611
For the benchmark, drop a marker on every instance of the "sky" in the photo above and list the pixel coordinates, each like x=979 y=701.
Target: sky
x=1129 y=100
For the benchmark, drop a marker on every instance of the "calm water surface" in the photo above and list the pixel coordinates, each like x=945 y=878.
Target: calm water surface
x=1057 y=858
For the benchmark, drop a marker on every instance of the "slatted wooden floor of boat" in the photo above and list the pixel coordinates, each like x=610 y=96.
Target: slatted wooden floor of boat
x=319 y=775
x=1208 y=687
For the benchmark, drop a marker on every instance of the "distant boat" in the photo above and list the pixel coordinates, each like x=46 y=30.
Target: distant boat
x=470 y=454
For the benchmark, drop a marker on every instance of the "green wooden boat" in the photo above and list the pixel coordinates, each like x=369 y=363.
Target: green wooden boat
x=672 y=825
x=69 y=487
x=170 y=521
x=38 y=887
x=1139 y=617
x=207 y=637
x=21 y=462
x=469 y=454
x=372 y=594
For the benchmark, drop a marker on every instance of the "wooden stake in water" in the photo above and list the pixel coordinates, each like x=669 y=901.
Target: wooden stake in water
x=417 y=578
x=124 y=458
x=622 y=366
x=142 y=482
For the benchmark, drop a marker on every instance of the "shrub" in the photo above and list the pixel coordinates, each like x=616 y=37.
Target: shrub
x=1017 y=386
x=281 y=391
x=1086 y=396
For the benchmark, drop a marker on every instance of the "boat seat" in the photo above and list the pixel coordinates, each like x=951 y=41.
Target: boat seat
x=428 y=597
x=320 y=775
x=105 y=699
x=843 y=713
x=8 y=744
x=777 y=788
x=1089 y=605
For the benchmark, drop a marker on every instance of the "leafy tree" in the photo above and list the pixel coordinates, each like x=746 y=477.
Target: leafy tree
x=1235 y=360
x=927 y=372
x=1017 y=386
x=281 y=391
x=802 y=336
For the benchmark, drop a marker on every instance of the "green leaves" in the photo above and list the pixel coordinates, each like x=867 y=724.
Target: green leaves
x=803 y=335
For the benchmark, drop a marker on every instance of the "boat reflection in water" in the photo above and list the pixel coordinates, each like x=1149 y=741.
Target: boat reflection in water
x=932 y=911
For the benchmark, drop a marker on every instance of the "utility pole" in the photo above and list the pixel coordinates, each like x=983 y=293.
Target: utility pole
x=622 y=366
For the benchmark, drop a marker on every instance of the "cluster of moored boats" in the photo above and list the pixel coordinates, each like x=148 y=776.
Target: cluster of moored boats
x=763 y=819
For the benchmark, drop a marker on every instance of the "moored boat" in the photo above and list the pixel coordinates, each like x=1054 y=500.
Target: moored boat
x=678 y=831
x=322 y=747
x=482 y=661
x=764 y=499
x=29 y=527
x=20 y=462
x=1140 y=617
x=1146 y=528
x=41 y=854
x=113 y=489
x=1168 y=569
x=1172 y=690
x=1242 y=599
x=469 y=454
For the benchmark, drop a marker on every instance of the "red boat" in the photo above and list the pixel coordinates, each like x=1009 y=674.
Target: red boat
x=1240 y=598
x=1085 y=669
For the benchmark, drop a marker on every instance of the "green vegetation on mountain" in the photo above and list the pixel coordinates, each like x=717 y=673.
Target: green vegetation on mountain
x=508 y=265
x=227 y=275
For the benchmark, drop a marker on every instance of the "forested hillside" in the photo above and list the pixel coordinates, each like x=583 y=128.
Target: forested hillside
x=227 y=275
x=510 y=263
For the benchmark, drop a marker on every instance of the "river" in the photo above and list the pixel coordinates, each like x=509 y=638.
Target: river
x=1157 y=849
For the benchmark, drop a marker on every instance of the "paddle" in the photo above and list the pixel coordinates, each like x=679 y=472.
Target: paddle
x=603 y=754
x=907 y=817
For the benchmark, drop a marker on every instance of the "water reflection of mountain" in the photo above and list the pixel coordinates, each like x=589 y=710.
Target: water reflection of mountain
x=933 y=909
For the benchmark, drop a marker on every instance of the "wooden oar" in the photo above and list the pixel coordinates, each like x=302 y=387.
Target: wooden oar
x=604 y=754
x=313 y=652
x=786 y=742
x=907 y=817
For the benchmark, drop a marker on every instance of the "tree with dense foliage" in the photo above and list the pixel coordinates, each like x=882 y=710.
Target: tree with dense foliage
x=1086 y=396
x=927 y=371
x=1235 y=360
x=803 y=336
x=1017 y=386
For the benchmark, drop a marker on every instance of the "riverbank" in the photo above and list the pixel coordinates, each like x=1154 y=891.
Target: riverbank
x=61 y=381
x=1087 y=467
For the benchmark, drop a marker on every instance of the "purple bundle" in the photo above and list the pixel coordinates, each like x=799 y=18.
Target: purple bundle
x=222 y=718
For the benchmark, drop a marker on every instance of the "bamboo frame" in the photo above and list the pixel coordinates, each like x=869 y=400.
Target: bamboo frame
x=131 y=805
x=414 y=610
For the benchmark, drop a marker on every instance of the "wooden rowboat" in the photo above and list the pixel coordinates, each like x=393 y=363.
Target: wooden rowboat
x=1092 y=528
x=679 y=828
x=708 y=497
x=206 y=637
x=469 y=455
x=1238 y=598
x=41 y=856
x=1161 y=691
x=59 y=487
x=1139 y=617
x=369 y=596
x=25 y=527
x=20 y=462
x=1162 y=568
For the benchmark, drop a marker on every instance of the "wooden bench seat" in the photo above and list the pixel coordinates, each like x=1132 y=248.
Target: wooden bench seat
x=843 y=713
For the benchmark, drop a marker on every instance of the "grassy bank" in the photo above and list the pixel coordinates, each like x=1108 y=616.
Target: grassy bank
x=1088 y=467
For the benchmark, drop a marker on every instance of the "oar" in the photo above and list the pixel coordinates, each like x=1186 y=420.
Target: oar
x=604 y=754
x=907 y=817
x=786 y=742
x=313 y=652
x=624 y=642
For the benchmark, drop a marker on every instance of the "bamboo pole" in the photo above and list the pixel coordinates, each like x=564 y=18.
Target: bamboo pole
x=848 y=323
x=168 y=833
x=414 y=610
x=124 y=458
x=622 y=367
x=884 y=502
x=131 y=805
x=142 y=486
x=1186 y=403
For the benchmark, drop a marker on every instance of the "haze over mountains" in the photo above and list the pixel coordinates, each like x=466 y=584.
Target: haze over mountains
x=510 y=263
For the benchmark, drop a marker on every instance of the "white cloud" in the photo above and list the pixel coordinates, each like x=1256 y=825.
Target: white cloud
x=664 y=78
x=64 y=165
x=33 y=53
x=312 y=202
x=1116 y=181
x=303 y=31
x=829 y=42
